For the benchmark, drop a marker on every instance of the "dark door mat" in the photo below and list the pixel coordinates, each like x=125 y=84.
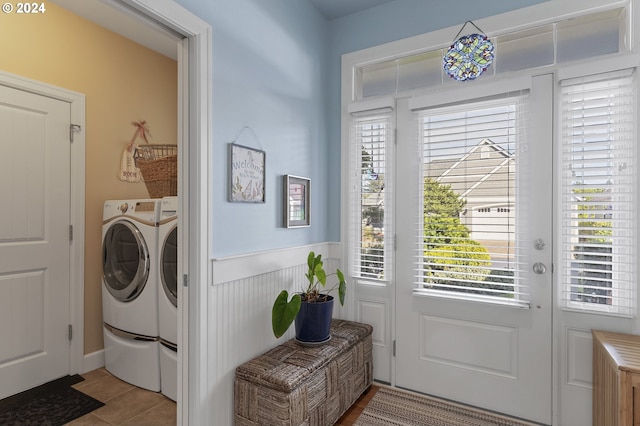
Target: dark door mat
x=54 y=403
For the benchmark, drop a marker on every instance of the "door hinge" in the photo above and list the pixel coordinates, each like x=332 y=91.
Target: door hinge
x=395 y=136
x=185 y=280
x=394 y=348
x=70 y=332
x=395 y=242
x=74 y=128
x=70 y=232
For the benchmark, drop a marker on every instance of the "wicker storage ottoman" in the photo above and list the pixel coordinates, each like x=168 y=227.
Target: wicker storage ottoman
x=297 y=385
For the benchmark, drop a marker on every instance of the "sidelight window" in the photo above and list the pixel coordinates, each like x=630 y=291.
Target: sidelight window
x=371 y=151
x=598 y=192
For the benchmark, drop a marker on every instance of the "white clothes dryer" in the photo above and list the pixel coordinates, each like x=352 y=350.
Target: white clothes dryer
x=168 y=295
x=130 y=291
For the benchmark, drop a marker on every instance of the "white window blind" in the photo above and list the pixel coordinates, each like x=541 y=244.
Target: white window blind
x=599 y=187
x=371 y=184
x=472 y=221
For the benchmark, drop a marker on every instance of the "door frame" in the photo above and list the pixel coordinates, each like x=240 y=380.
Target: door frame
x=194 y=133
x=77 y=186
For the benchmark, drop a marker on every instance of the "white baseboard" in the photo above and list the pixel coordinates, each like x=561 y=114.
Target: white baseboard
x=93 y=361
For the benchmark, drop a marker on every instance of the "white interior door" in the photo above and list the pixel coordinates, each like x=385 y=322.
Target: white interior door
x=462 y=333
x=34 y=239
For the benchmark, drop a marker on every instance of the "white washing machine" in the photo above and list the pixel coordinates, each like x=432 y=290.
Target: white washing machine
x=130 y=291
x=168 y=296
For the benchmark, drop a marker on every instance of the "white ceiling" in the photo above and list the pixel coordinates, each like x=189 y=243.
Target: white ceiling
x=332 y=9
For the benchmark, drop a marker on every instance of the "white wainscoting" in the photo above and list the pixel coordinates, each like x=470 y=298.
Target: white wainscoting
x=243 y=290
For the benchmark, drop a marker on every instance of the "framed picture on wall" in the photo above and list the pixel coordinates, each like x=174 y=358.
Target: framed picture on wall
x=246 y=174
x=296 y=195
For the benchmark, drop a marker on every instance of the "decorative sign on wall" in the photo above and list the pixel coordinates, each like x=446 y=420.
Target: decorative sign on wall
x=246 y=174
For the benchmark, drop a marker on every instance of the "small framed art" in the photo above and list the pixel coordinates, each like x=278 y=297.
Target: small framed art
x=297 y=196
x=246 y=174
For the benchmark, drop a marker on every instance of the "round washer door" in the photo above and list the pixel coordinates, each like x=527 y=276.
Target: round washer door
x=169 y=266
x=125 y=261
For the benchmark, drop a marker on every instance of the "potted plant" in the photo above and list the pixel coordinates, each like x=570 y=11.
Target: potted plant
x=311 y=309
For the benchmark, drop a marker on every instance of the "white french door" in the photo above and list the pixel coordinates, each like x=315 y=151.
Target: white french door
x=473 y=311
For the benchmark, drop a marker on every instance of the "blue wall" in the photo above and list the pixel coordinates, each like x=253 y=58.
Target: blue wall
x=269 y=62
x=276 y=69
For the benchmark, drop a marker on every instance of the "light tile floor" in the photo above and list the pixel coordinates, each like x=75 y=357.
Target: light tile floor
x=125 y=404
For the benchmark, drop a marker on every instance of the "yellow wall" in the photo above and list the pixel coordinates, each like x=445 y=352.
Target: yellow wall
x=123 y=82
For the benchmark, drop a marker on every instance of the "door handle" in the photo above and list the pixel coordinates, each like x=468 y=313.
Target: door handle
x=539 y=268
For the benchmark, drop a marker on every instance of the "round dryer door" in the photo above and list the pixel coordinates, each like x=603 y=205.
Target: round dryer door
x=169 y=266
x=125 y=261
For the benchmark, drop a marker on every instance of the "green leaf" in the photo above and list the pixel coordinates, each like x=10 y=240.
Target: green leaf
x=315 y=270
x=342 y=290
x=322 y=276
x=317 y=262
x=284 y=313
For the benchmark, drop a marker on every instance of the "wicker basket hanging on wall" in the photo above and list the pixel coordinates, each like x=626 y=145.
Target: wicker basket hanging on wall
x=159 y=167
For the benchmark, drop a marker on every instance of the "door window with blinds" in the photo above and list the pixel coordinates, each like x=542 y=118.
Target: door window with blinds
x=371 y=179
x=472 y=195
x=598 y=193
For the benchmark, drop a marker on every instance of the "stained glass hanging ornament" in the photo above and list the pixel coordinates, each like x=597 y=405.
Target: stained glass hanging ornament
x=468 y=56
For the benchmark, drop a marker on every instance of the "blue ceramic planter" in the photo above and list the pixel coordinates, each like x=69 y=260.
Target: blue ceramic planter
x=313 y=323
